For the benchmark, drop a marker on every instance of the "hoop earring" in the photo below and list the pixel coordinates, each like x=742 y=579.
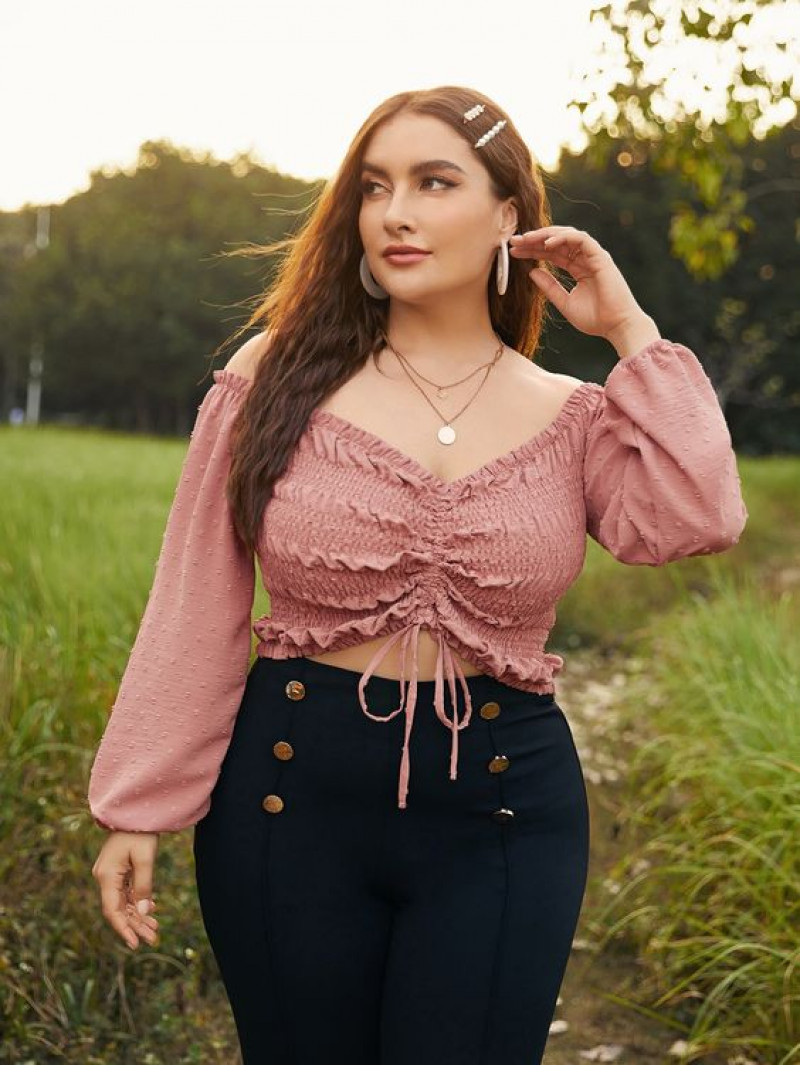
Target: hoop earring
x=502 y=268
x=369 y=282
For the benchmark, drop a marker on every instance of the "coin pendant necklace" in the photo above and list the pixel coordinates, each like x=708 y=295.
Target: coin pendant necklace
x=446 y=434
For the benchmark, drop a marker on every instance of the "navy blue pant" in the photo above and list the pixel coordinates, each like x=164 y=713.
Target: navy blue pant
x=349 y=931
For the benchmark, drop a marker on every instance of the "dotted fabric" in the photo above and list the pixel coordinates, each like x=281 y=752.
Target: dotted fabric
x=360 y=540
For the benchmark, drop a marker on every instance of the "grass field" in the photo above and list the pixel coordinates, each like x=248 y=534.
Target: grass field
x=709 y=895
x=709 y=891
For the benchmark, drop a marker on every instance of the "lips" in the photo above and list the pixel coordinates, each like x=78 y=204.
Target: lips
x=406 y=249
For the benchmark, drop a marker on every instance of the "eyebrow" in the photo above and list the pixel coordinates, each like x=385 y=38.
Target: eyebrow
x=417 y=168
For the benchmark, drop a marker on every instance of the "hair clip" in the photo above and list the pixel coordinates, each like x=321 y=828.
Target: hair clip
x=473 y=112
x=490 y=133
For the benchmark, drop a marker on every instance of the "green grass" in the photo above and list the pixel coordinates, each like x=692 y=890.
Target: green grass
x=711 y=890
x=80 y=528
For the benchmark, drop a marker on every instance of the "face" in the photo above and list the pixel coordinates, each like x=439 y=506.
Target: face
x=446 y=208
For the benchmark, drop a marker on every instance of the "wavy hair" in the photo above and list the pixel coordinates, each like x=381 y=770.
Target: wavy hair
x=322 y=325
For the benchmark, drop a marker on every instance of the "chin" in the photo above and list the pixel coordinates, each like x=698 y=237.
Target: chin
x=419 y=297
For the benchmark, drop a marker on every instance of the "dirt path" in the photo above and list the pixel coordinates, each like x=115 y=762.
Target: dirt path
x=588 y=1027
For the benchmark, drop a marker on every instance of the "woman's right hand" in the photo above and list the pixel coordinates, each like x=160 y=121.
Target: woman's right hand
x=124 y=871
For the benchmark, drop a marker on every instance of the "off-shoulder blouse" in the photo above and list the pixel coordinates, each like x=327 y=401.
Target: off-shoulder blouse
x=360 y=540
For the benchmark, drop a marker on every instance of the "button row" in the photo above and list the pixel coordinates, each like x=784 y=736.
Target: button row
x=284 y=751
x=489 y=711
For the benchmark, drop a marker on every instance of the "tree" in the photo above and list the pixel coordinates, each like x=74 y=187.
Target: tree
x=745 y=325
x=686 y=86
x=130 y=290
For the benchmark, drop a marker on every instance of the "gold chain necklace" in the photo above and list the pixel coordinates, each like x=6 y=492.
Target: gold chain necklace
x=441 y=390
x=446 y=434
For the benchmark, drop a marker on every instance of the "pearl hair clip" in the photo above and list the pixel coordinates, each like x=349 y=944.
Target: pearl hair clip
x=473 y=113
x=490 y=133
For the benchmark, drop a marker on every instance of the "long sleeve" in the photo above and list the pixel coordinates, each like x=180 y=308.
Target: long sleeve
x=173 y=717
x=660 y=474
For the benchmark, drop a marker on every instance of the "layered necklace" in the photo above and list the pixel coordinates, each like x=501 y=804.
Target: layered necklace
x=446 y=434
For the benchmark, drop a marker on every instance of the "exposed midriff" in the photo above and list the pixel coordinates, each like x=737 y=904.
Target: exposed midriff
x=358 y=657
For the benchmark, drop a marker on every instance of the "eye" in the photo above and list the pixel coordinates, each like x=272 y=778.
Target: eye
x=441 y=180
x=367 y=186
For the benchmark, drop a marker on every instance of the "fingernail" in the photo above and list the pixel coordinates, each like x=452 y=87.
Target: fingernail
x=143 y=906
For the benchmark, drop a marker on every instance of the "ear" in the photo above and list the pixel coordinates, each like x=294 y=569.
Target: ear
x=509 y=218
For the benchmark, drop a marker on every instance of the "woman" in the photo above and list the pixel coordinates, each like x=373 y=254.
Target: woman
x=413 y=485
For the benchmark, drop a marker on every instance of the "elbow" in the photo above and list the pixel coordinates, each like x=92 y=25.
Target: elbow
x=719 y=525
x=709 y=534
x=721 y=515
x=667 y=540
x=626 y=543
x=636 y=553
x=726 y=530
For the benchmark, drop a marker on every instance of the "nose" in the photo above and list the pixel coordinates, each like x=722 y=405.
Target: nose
x=396 y=215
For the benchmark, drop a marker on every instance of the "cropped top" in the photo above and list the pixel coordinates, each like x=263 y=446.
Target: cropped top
x=360 y=540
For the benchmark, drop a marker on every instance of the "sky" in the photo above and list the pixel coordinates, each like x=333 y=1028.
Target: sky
x=84 y=82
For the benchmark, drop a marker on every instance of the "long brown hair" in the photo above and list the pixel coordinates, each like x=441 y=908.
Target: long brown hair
x=323 y=325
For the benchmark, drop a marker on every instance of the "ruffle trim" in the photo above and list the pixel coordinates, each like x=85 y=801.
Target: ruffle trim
x=309 y=639
x=326 y=422
x=234 y=382
x=533 y=673
x=334 y=430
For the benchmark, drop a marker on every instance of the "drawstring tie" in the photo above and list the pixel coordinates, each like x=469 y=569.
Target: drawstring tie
x=445 y=664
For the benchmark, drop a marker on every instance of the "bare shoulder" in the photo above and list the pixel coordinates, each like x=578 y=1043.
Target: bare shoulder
x=558 y=385
x=563 y=383
x=246 y=358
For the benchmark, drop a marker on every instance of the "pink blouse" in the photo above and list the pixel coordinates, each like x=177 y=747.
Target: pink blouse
x=360 y=540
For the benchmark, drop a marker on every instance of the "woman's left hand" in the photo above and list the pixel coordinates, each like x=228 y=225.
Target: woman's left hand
x=600 y=303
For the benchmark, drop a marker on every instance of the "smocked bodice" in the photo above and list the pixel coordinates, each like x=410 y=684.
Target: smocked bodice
x=360 y=539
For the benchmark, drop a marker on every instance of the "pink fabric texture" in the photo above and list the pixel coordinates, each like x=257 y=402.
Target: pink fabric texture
x=360 y=540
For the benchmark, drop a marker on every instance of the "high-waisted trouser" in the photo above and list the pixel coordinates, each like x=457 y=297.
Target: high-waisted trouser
x=349 y=931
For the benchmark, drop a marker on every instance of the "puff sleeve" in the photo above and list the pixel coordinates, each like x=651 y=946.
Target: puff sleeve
x=172 y=720
x=660 y=476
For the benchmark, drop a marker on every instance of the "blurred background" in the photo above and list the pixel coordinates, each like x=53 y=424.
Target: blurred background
x=140 y=146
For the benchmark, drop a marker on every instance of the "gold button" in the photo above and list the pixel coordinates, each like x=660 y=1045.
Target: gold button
x=502 y=815
x=273 y=804
x=499 y=763
x=283 y=750
x=489 y=710
x=295 y=689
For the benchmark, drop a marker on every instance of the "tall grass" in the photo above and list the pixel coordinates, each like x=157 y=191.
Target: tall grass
x=711 y=893
x=81 y=522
